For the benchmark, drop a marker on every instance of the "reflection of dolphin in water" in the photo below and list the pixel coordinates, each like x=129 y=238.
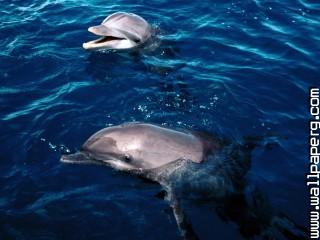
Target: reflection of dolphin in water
x=188 y=165
x=120 y=31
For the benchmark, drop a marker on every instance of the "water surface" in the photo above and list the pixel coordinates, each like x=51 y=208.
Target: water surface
x=240 y=68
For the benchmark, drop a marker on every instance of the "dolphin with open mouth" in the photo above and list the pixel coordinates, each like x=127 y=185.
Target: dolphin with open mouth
x=120 y=30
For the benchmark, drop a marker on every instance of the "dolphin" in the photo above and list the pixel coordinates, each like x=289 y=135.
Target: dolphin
x=185 y=163
x=142 y=146
x=145 y=150
x=120 y=30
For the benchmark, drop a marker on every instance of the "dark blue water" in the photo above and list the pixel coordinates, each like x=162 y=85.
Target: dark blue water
x=240 y=68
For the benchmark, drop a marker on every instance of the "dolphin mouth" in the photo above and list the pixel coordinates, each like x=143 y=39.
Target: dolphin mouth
x=107 y=36
x=78 y=158
x=101 y=42
x=82 y=157
x=107 y=39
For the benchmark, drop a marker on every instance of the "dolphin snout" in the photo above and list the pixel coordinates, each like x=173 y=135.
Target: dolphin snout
x=92 y=30
x=100 y=30
x=86 y=45
x=78 y=158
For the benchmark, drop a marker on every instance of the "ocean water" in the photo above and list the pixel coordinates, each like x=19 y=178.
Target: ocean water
x=235 y=68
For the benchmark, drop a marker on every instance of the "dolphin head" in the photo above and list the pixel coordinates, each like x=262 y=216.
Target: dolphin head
x=137 y=146
x=110 y=146
x=119 y=31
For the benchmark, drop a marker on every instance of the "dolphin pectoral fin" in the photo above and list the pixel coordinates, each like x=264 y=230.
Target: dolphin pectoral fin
x=77 y=158
x=184 y=225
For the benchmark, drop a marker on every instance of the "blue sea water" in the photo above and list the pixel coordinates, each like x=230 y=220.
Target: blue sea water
x=236 y=68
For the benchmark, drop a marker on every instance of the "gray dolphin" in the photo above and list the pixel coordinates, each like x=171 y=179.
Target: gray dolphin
x=120 y=30
x=141 y=146
x=149 y=151
x=188 y=163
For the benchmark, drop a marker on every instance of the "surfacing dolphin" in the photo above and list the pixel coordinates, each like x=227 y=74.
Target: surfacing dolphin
x=185 y=163
x=148 y=151
x=120 y=30
x=141 y=146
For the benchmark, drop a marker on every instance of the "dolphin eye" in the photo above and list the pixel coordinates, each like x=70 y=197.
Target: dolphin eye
x=127 y=158
x=136 y=40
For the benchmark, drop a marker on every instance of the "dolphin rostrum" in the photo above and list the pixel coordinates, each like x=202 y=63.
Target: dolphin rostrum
x=120 y=30
x=185 y=163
